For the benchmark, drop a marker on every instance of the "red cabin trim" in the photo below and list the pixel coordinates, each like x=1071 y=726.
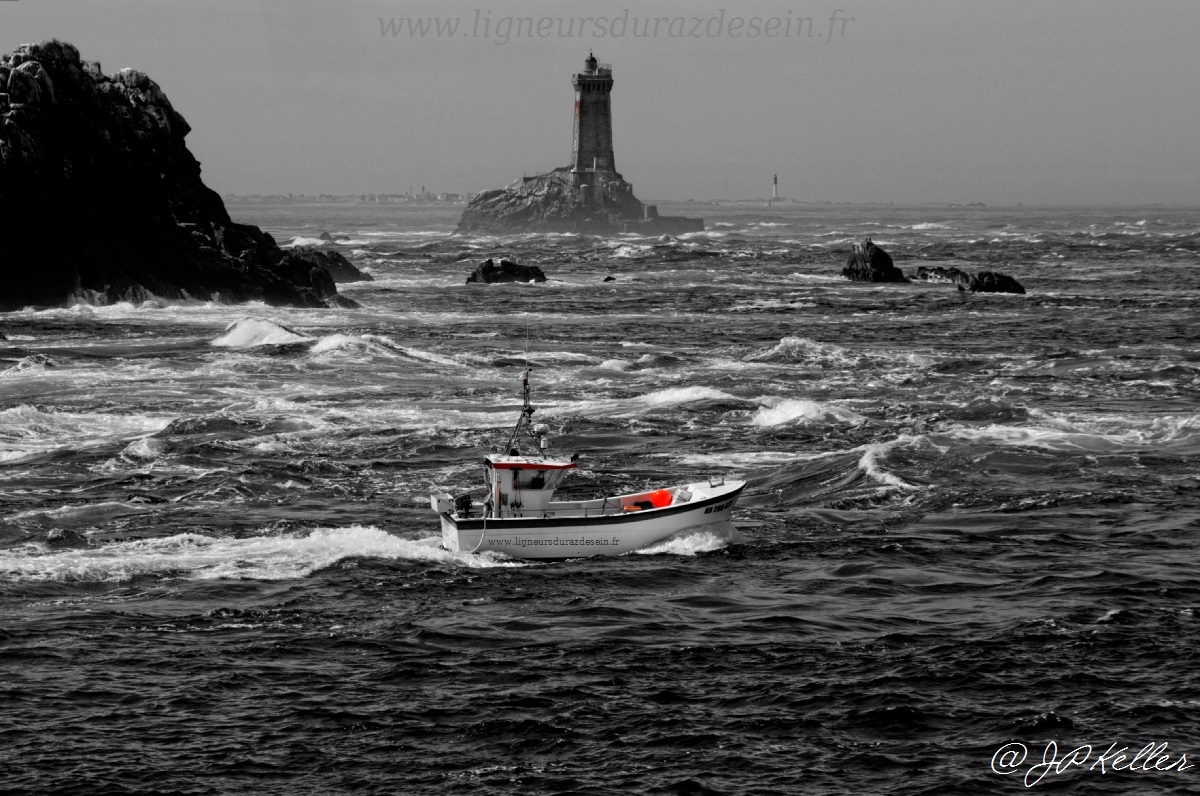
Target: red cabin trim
x=529 y=466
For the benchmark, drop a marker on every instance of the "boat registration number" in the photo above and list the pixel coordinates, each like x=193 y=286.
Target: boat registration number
x=718 y=507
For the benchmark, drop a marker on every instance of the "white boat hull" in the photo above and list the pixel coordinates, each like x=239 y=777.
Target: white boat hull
x=606 y=527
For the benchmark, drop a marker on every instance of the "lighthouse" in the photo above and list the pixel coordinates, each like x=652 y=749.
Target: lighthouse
x=587 y=195
x=592 y=142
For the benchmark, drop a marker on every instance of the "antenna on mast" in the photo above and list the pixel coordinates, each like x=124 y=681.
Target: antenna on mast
x=527 y=409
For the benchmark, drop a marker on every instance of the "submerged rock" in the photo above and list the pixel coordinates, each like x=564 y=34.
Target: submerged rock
x=65 y=538
x=994 y=282
x=869 y=263
x=938 y=273
x=507 y=271
x=101 y=160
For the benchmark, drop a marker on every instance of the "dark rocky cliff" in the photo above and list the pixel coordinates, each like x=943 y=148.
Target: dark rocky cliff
x=101 y=201
x=341 y=269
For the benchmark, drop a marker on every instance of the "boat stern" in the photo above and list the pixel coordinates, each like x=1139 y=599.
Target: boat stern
x=444 y=505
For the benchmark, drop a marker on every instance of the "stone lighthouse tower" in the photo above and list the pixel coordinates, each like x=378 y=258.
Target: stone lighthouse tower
x=587 y=195
x=592 y=144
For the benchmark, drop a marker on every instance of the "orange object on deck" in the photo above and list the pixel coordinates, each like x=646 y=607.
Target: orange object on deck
x=660 y=498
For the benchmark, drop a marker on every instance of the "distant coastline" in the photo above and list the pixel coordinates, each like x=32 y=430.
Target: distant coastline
x=464 y=198
x=365 y=198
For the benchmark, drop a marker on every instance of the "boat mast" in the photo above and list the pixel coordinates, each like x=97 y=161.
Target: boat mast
x=526 y=413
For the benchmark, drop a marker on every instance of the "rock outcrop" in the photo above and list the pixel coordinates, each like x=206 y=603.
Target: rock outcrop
x=869 y=263
x=552 y=203
x=984 y=282
x=596 y=203
x=994 y=282
x=341 y=269
x=938 y=273
x=101 y=201
x=507 y=271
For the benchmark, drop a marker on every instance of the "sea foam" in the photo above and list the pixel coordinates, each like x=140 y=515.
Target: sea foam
x=1093 y=434
x=799 y=349
x=656 y=400
x=27 y=431
x=705 y=539
x=199 y=557
x=800 y=410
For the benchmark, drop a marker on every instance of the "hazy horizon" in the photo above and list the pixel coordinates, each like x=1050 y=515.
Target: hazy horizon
x=1075 y=103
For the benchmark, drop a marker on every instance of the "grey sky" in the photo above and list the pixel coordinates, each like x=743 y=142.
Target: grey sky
x=998 y=101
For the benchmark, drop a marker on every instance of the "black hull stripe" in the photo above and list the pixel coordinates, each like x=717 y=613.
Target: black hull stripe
x=535 y=523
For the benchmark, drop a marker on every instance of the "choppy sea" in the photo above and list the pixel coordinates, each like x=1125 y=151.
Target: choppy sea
x=972 y=524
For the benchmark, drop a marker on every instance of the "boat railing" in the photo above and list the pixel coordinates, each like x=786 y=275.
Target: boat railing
x=572 y=511
x=611 y=505
x=604 y=508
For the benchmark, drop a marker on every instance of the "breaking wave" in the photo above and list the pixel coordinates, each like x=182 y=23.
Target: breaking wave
x=790 y=410
x=251 y=332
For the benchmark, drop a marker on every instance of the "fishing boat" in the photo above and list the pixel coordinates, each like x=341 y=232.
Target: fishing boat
x=520 y=518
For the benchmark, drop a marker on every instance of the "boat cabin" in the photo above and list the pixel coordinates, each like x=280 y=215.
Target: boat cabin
x=522 y=486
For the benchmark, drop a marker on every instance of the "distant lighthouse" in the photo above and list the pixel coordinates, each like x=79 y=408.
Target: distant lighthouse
x=592 y=142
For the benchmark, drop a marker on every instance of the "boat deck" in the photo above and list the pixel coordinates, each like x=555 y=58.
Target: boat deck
x=615 y=505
